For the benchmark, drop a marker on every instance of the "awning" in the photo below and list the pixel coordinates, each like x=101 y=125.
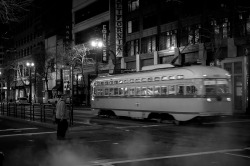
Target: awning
x=20 y=83
x=13 y=84
x=57 y=87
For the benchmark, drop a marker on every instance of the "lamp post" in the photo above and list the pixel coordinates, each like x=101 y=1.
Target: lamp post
x=96 y=44
x=30 y=65
x=1 y=87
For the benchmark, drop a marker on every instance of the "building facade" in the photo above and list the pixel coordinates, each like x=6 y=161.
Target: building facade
x=139 y=33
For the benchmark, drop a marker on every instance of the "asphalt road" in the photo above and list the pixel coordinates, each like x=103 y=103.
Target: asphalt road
x=128 y=142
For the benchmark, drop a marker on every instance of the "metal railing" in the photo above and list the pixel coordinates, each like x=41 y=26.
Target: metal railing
x=33 y=111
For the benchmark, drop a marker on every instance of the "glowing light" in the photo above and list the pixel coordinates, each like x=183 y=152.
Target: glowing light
x=228 y=99
x=209 y=99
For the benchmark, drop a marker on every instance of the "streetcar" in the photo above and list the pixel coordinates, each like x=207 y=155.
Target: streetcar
x=173 y=93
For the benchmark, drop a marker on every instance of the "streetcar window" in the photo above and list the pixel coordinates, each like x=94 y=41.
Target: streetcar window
x=164 y=78
x=157 y=90
x=180 y=89
x=106 y=82
x=102 y=83
x=164 y=90
x=115 y=82
x=120 y=91
x=157 y=78
x=132 y=80
x=125 y=81
x=111 y=91
x=131 y=91
x=99 y=92
x=144 y=91
x=150 y=79
x=138 y=91
x=171 y=90
x=191 y=90
x=150 y=91
x=106 y=92
x=116 y=91
x=110 y=82
x=137 y=80
x=144 y=80
x=126 y=91
x=120 y=81
x=210 y=86
x=222 y=86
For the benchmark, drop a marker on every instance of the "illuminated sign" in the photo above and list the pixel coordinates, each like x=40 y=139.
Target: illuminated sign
x=118 y=27
x=104 y=38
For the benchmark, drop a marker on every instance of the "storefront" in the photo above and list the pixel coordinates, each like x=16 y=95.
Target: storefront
x=237 y=67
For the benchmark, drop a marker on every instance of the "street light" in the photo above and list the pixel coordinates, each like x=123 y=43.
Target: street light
x=30 y=65
x=96 y=44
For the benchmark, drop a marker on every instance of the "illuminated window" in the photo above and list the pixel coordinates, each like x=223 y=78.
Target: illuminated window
x=116 y=92
x=132 y=91
x=150 y=91
x=126 y=91
x=121 y=91
x=180 y=89
x=171 y=90
x=138 y=91
x=157 y=90
x=164 y=90
x=106 y=92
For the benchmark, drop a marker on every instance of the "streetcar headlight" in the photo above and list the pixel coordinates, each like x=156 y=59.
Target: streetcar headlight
x=209 y=99
x=228 y=99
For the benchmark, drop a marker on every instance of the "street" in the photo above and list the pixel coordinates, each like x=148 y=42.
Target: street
x=128 y=142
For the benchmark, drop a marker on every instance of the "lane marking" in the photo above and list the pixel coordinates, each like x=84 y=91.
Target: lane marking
x=238 y=155
x=140 y=126
x=241 y=121
x=166 y=157
x=26 y=134
x=19 y=129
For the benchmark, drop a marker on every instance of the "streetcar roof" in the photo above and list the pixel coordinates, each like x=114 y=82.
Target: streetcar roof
x=188 y=72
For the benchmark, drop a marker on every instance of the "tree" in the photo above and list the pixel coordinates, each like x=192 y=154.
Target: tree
x=75 y=57
x=13 y=10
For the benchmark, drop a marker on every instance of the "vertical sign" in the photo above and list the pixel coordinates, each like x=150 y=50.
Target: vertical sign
x=118 y=27
x=104 y=38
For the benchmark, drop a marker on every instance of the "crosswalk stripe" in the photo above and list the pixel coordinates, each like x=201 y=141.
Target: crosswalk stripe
x=19 y=129
x=26 y=134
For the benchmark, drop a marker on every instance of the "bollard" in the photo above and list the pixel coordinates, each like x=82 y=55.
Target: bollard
x=1 y=158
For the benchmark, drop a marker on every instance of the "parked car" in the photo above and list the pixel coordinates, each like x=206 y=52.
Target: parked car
x=22 y=100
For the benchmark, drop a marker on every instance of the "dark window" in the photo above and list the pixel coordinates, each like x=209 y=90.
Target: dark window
x=133 y=47
x=149 y=21
x=91 y=10
x=148 y=44
x=133 y=26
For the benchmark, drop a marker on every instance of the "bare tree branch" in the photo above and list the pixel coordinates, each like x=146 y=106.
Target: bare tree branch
x=13 y=10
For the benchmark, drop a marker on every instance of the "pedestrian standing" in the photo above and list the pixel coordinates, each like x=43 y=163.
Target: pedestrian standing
x=62 y=117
